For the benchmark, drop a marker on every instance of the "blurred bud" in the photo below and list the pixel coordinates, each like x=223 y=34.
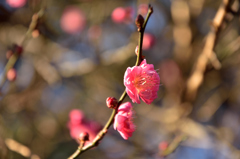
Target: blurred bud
x=112 y=102
x=72 y=20
x=148 y=41
x=84 y=136
x=163 y=145
x=18 y=49
x=9 y=54
x=35 y=33
x=11 y=74
x=118 y=14
x=139 y=21
x=16 y=3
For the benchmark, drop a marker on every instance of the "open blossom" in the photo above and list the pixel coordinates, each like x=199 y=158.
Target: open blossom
x=123 y=120
x=142 y=81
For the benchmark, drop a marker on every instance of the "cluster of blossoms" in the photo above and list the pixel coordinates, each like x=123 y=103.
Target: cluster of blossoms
x=141 y=82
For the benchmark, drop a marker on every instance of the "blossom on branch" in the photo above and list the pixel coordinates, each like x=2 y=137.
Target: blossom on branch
x=123 y=120
x=142 y=81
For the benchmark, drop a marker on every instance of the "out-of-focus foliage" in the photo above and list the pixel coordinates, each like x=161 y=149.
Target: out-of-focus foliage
x=77 y=58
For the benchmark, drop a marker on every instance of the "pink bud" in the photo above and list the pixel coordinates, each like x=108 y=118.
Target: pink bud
x=148 y=41
x=11 y=74
x=16 y=3
x=163 y=145
x=84 y=136
x=112 y=102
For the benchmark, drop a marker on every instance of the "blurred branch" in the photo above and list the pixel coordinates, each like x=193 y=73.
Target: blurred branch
x=196 y=78
x=102 y=133
x=20 y=148
x=13 y=59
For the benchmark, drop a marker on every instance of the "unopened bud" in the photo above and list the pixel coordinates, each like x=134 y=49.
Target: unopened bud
x=11 y=74
x=112 y=102
x=84 y=136
x=139 y=21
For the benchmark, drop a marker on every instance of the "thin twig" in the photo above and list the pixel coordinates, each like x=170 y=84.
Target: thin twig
x=16 y=55
x=101 y=134
x=75 y=154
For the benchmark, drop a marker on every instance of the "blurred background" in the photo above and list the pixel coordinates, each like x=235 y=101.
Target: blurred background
x=76 y=58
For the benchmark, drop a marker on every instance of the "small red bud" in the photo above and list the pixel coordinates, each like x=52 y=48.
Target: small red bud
x=84 y=136
x=11 y=74
x=112 y=102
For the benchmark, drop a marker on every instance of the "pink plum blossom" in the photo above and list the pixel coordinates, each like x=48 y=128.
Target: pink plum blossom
x=142 y=81
x=16 y=3
x=122 y=15
x=123 y=120
x=73 y=20
x=79 y=124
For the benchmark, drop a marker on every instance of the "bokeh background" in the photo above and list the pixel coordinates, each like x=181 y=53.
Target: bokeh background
x=77 y=57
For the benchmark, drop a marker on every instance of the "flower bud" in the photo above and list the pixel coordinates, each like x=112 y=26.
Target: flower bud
x=139 y=21
x=84 y=136
x=112 y=102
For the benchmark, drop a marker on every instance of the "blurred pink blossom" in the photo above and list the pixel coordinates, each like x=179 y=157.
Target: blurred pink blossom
x=148 y=41
x=142 y=81
x=73 y=20
x=123 y=120
x=16 y=3
x=79 y=124
x=122 y=15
